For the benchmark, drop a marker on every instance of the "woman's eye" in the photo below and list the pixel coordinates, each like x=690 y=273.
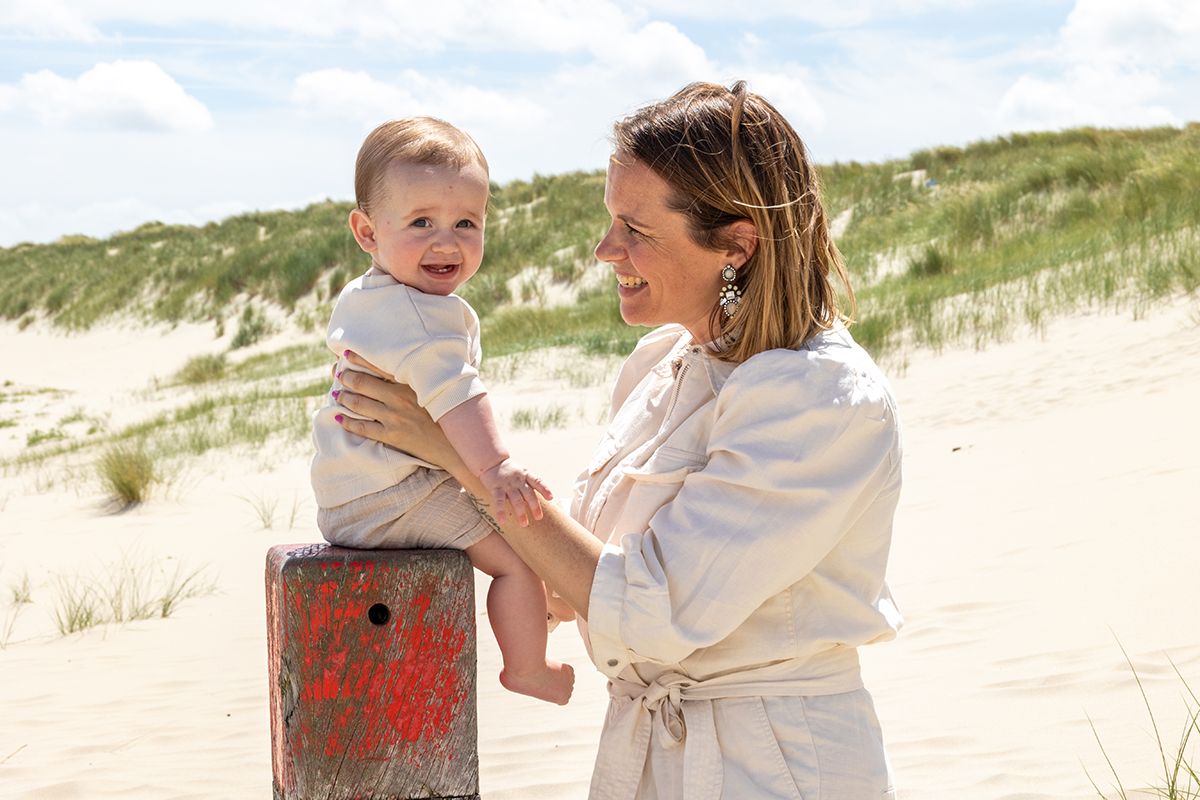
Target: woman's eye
x=632 y=229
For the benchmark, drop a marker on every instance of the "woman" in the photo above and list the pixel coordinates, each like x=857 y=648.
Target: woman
x=727 y=543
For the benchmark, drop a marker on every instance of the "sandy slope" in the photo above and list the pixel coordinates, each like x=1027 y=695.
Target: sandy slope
x=1049 y=512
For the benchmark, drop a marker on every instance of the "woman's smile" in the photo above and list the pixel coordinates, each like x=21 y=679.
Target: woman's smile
x=629 y=282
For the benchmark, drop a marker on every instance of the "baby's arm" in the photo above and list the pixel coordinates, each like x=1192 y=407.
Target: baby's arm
x=471 y=428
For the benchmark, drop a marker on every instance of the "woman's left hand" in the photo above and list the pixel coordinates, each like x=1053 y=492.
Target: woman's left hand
x=392 y=415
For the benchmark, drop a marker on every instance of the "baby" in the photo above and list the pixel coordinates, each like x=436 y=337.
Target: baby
x=421 y=187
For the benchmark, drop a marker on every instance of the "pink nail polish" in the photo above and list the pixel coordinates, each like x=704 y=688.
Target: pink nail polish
x=338 y=374
x=336 y=392
x=346 y=353
x=338 y=418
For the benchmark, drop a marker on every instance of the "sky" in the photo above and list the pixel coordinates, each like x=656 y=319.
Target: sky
x=118 y=112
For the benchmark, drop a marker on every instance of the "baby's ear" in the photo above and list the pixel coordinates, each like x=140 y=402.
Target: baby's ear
x=363 y=230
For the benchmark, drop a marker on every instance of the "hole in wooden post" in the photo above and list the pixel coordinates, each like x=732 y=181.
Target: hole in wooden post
x=379 y=614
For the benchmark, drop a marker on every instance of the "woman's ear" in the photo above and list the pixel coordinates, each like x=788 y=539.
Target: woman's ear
x=363 y=230
x=742 y=241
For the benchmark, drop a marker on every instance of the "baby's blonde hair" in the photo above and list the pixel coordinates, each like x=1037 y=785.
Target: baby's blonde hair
x=412 y=140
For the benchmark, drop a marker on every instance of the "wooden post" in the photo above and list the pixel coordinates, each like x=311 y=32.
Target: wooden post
x=372 y=669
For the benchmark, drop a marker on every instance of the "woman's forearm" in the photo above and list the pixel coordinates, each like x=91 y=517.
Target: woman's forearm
x=561 y=551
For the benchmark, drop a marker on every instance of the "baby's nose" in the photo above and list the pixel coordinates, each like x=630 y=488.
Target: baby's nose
x=444 y=242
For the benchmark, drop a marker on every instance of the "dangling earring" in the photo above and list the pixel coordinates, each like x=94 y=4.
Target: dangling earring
x=731 y=294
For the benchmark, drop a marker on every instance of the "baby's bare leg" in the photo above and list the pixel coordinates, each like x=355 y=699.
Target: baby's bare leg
x=516 y=606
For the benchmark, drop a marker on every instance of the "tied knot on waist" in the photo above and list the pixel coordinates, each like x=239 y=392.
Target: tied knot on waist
x=665 y=696
x=625 y=742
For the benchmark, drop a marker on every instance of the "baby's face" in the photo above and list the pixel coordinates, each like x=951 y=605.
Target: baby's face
x=429 y=225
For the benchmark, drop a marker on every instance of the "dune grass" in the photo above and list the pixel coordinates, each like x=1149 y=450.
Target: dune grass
x=160 y=272
x=20 y=595
x=202 y=369
x=541 y=418
x=127 y=471
x=20 y=592
x=1180 y=761
x=126 y=591
x=1015 y=230
x=8 y=624
x=1021 y=229
x=266 y=508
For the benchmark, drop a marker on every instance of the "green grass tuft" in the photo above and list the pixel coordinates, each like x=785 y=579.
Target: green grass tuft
x=254 y=326
x=127 y=472
x=930 y=262
x=126 y=591
x=540 y=419
x=202 y=369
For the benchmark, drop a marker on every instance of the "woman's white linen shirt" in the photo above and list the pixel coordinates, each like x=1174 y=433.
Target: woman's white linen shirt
x=746 y=512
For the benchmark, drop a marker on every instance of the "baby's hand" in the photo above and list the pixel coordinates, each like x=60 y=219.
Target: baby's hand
x=509 y=483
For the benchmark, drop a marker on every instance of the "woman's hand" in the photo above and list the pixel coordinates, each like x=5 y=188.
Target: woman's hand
x=391 y=415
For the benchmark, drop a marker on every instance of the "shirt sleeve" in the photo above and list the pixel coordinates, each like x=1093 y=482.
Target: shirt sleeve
x=426 y=341
x=441 y=373
x=795 y=456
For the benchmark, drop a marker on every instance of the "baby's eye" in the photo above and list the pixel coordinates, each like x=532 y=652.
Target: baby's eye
x=422 y=222
x=465 y=223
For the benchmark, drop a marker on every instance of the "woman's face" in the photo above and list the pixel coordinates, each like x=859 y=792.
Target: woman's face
x=662 y=275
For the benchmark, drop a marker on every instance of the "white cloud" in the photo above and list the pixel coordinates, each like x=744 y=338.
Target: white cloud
x=656 y=53
x=10 y=96
x=635 y=65
x=823 y=13
x=359 y=96
x=122 y=95
x=351 y=94
x=556 y=26
x=45 y=18
x=1116 y=63
x=787 y=89
x=1087 y=95
x=85 y=18
x=885 y=96
x=1148 y=32
x=559 y=26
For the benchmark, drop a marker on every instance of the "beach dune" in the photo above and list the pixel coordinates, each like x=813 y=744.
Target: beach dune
x=1049 y=521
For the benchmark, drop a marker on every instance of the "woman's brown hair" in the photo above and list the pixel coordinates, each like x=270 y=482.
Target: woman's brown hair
x=729 y=155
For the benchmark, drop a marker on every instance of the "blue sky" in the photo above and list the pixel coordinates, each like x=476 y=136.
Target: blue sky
x=116 y=112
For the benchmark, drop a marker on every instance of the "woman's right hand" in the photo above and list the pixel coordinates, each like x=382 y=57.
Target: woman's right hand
x=392 y=416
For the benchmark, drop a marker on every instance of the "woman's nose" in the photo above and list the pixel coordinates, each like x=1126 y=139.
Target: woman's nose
x=605 y=249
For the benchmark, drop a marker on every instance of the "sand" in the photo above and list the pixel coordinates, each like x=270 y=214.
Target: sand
x=1049 y=519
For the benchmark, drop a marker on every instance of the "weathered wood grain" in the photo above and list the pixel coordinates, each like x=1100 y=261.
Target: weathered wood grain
x=372 y=673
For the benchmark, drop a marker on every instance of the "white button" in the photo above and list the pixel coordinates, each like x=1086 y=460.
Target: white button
x=612 y=662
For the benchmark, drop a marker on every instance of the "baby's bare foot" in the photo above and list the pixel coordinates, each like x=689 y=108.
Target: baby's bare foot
x=553 y=683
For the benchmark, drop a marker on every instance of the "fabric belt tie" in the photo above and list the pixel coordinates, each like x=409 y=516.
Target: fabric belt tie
x=683 y=709
x=626 y=737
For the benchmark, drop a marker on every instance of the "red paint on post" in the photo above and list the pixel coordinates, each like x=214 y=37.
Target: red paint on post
x=399 y=696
